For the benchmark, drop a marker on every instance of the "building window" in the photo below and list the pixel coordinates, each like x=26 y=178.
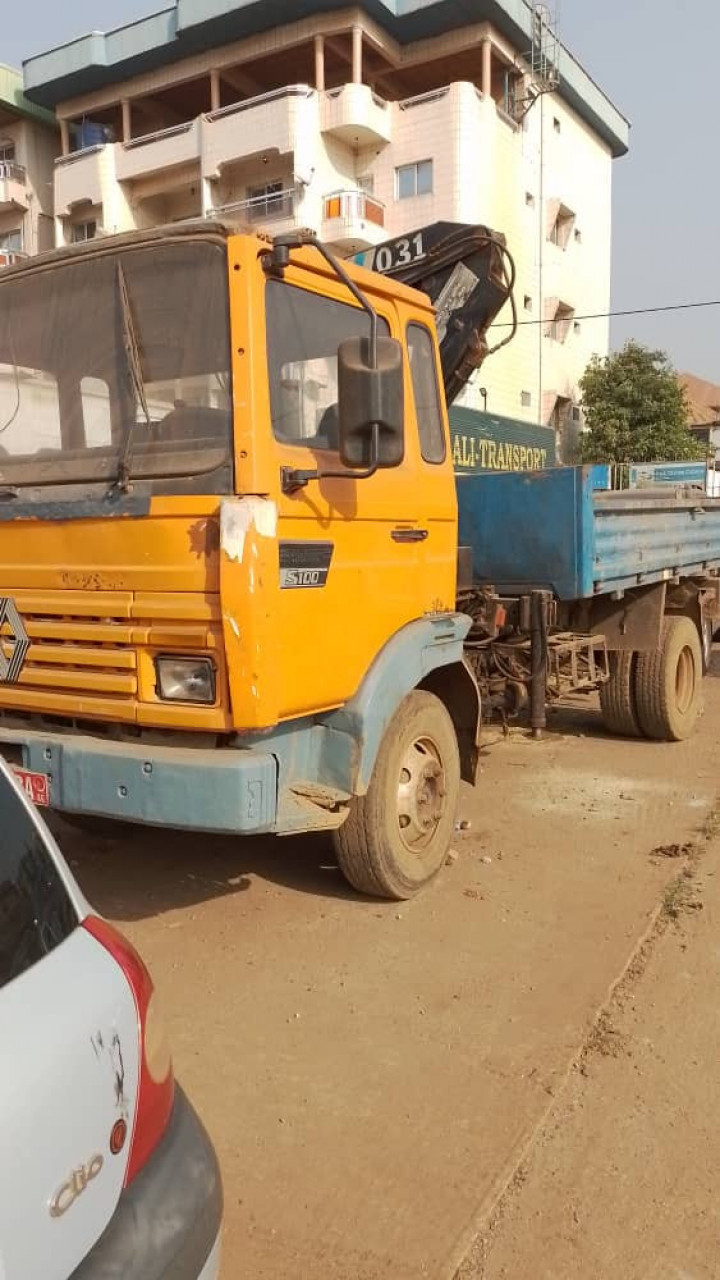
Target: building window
x=562 y=227
x=527 y=302
x=529 y=199
x=560 y=320
x=509 y=99
x=414 y=179
x=577 y=327
x=7 y=152
x=525 y=399
x=556 y=125
x=426 y=393
x=11 y=241
x=367 y=184
x=82 y=231
x=576 y=414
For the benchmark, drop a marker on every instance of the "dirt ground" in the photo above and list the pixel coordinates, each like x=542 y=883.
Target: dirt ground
x=421 y=1090
x=624 y=1180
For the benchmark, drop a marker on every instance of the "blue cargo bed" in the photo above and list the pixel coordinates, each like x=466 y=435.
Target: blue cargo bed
x=555 y=530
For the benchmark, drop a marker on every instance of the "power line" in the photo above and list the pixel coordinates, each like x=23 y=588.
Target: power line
x=608 y=315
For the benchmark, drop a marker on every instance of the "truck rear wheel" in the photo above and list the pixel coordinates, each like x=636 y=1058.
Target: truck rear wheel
x=617 y=696
x=396 y=837
x=707 y=644
x=668 y=683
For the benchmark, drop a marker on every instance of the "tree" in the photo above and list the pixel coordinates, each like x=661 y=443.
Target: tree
x=635 y=409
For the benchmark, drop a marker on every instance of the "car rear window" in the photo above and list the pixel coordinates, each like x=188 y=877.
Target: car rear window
x=36 y=913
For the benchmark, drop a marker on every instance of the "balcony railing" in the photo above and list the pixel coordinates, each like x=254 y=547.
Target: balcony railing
x=10 y=257
x=355 y=205
x=265 y=208
x=374 y=97
x=12 y=172
x=261 y=100
x=144 y=139
x=73 y=156
x=430 y=95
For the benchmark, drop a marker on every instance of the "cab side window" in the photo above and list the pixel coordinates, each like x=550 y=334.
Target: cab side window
x=426 y=392
x=304 y=331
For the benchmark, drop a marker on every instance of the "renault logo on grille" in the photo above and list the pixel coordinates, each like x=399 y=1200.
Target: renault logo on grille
x=18 y=641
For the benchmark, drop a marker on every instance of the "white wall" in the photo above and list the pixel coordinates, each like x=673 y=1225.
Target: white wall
x=485 y=168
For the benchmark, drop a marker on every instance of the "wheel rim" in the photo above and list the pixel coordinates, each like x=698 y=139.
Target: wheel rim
x=421 y=794
x=684 y=680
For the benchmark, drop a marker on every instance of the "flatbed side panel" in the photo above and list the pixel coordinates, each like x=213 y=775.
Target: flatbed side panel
x=645 y=543
x=530 y=529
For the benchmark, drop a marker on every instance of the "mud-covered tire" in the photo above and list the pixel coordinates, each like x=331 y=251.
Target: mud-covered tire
x=668 y=683
x=396 y=837
x=617 y=696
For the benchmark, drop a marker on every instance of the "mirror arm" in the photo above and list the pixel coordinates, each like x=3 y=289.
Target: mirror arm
x=359 y=297
x=293 y=480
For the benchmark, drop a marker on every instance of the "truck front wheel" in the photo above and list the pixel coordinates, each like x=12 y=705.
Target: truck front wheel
x=396 y=837
x=668 y=683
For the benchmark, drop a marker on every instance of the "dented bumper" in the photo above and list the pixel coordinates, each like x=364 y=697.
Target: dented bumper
x=191 y=788
x=167 y=1223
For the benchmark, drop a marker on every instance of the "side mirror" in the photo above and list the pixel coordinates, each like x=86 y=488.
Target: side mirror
x=368 y=398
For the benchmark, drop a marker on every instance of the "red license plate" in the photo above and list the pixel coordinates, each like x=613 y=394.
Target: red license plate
x=35 y=785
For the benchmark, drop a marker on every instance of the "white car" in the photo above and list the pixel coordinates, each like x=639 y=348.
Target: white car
x=106 y=1171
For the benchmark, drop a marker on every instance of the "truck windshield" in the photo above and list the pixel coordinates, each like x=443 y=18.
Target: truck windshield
x=69 y=392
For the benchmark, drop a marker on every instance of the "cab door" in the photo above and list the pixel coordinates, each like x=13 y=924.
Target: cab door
x=358 y=559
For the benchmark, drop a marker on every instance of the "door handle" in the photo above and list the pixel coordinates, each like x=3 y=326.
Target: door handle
x=409 y=535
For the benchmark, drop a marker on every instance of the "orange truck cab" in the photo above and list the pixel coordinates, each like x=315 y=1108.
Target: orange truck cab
x=228 y=548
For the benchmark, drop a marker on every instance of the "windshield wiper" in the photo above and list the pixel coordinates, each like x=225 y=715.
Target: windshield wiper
x=132 y=351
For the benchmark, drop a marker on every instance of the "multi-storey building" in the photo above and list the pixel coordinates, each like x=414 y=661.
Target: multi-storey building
x=29 y=143
x=361 y=122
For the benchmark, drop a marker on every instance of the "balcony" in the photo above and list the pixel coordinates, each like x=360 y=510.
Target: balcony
x=82 y=178
x=261 y=211
x=353 y=221
x=277 y=123
x=357 y=116
x=155 y=153
x=11 y=257
x=13 y=187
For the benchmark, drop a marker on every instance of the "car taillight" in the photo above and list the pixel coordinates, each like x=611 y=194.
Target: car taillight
x=156 y=1089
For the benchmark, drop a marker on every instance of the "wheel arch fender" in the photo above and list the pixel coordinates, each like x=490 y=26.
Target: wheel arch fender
x=455 y=685
x=425 y=654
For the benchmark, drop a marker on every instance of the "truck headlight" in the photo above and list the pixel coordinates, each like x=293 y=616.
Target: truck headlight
x=185 y=679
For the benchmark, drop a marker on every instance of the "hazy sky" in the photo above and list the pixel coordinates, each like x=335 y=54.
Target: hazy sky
x=657 y=59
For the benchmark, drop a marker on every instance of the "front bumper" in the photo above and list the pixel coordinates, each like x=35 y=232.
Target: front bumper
x=167 y=1223
x=196 y=789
